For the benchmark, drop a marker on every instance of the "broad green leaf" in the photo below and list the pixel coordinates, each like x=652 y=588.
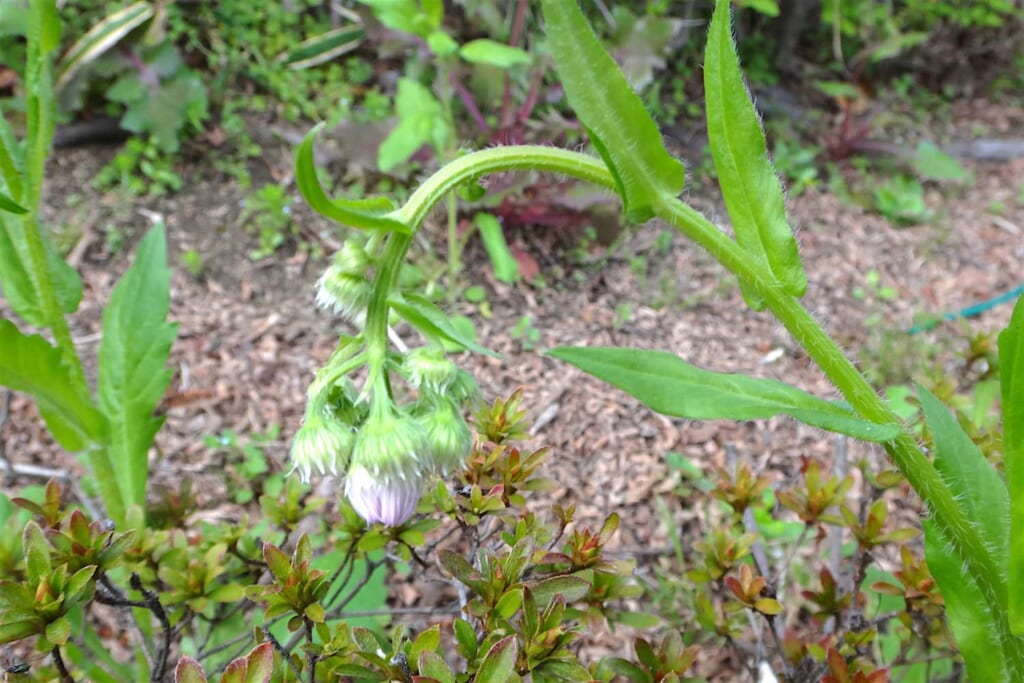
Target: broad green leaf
x=407 y=16
x=973 y=626
x=752 y=191
x=100 y=38
x=30 y=365
x=973 y=480
x=498 y=665
x=484 y=51
x=18 y=274
x=1011 y=371
x=366 y=214
x=133 y=372
x=931 y=162
x=669 y=385
x=324 y=47
x=421 y=121
x=620 y=128
x=425 y=316
x=506 y=269
x=10 y=206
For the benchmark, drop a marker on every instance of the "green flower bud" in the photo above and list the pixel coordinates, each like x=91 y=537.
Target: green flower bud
x=391 y=447
x=352 y=259
x=343 y=293
x=429 y=368
x=321 y=445
x=448 y=436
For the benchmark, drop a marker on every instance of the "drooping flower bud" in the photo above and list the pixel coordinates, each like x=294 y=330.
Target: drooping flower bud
x=448 y=436
x=385 y=480
x=322 y=445
x=352 y=258
x=345 y=294
x=429 y=368
x=381 y=498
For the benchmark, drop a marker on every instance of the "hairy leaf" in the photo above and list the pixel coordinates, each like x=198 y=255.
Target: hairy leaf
x=620 y=128
x=133 y=372
x=972 y=623
x=973 y=480
x=29 y=364
x=752 y=191
x=669 y=385
x=19 y=278
x=1011 y=371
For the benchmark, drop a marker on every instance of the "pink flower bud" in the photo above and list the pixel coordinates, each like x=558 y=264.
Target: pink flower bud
x=381 y=498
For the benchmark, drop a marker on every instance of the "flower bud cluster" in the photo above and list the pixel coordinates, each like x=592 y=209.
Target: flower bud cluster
x=385 y=452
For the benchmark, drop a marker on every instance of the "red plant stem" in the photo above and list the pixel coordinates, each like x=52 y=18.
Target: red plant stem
x=469 y=103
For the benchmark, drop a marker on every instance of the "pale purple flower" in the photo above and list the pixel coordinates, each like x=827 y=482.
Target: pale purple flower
x=381 y=498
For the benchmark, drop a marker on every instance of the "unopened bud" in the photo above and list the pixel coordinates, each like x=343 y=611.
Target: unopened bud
x=381 y=498
x=345 y=294
x=448 y=436
x=321 y=445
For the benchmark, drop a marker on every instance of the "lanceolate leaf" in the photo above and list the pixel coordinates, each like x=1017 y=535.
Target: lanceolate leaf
x=974 y=627
x=18 y=277
x=667 y=384
x=101 y=38
x=425 y=316
x=973 y=480
x=133 y=373
x=1011 y=372
x=29 y=364
x=752 y=192
x=10 y=206
x=484 y=51
x=619 y=127
x=498 y=665
x=324 y=47
x=366 y=214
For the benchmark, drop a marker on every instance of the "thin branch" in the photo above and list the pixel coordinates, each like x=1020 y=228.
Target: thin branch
x=62 y=669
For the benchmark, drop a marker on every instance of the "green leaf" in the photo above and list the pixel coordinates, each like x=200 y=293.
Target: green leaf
x=432 y=665
x=506 y=269
x=58 y=631
x=100 y=38
x=421 y=121
x=931 y=162
x=571 y=588
x=620 y=128
x=484 y=51
x=30 y=365
x=972 y=479
x=10 y=206
x=18 y=276
x=133 y=372
x=323 y=48
x=1011 y=371
x=365 y=214
x=752 y=191
x=425 y=316
x=498 y=665
x=37 y=553
x=12 y=630
x=669 y=385
x=974 y=627
x=260 y=664
x=189 y=670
